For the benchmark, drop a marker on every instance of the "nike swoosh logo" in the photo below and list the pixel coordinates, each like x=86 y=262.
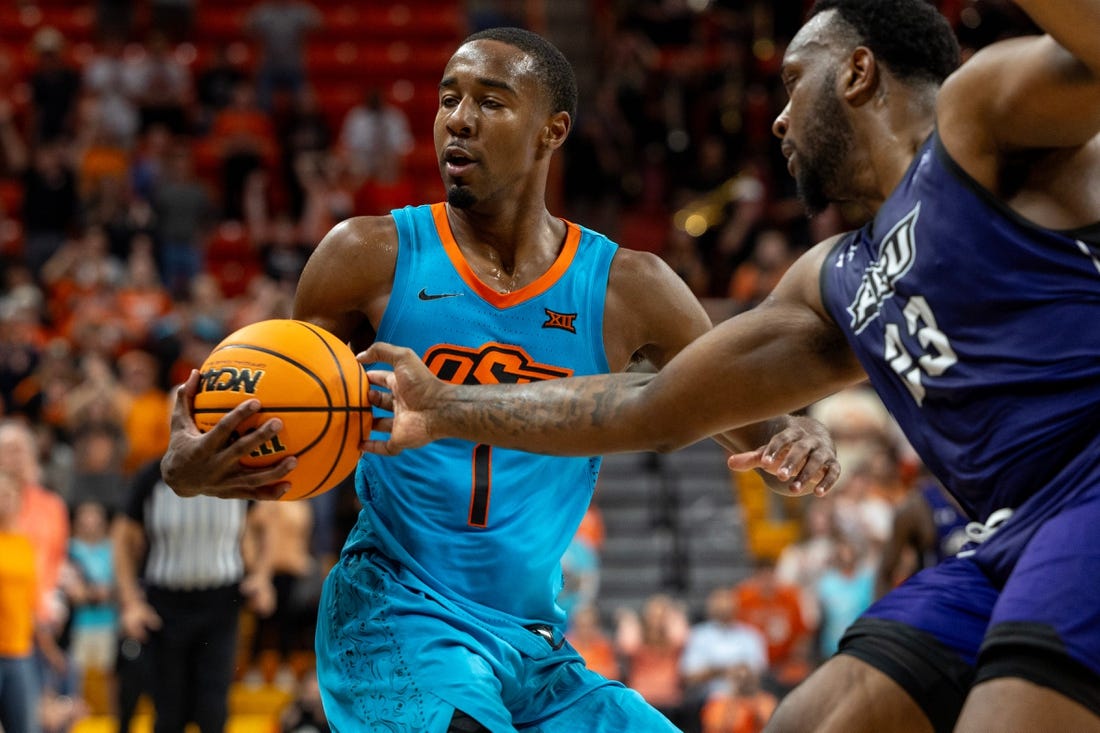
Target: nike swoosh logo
x=425 y=295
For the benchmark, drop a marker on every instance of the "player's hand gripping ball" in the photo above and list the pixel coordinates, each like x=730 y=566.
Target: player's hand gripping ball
x=304 y=375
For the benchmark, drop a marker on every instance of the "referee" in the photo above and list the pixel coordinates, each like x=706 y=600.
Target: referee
x=182 y=575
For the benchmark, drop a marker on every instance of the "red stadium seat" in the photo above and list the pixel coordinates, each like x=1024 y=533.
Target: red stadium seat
x=231 y=258
x=335 y=61
x=218 y=23
x=75 y=23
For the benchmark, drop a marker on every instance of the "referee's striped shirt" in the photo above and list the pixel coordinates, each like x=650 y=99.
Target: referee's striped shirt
x=194 y=543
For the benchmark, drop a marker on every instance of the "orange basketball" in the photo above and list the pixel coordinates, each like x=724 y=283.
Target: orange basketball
x=304 y=375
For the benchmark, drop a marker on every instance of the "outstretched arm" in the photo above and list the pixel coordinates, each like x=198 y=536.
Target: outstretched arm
x=652 y=314
x=779 y=357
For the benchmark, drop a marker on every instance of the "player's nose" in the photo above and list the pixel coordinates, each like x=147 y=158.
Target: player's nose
x=779 y=126
x=462 y=119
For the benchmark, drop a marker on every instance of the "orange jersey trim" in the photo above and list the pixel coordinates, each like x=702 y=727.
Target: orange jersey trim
x=505 y=300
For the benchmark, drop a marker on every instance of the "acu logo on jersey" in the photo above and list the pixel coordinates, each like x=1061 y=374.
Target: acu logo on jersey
x=896 y=256
x=491 y=364
x=230 y=379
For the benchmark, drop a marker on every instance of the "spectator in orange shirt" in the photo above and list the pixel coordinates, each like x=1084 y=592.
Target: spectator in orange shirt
x=101 y=160
x=775 y=609
x=81 y=278
x=43 y=517
x=771 y=255
x=145 y=409
x=651 y=647
x=587 y=635
x=245 y=139
x=592 y=529
x=142 y=299
x=18 y=685
x=741 y=707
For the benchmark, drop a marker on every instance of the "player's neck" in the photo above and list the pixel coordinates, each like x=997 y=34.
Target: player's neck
x=506 y=226
x=508 y=247
x=889 y=149
x=909 y=118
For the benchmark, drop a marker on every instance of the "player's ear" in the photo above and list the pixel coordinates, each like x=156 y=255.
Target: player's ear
x=556 y=130
x=861 y=77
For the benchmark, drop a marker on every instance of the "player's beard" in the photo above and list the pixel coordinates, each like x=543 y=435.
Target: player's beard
x=826 y=146
x=461 y=197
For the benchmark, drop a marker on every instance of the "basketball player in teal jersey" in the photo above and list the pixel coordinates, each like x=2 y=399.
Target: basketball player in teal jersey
x=441 y=613
x=971 y=301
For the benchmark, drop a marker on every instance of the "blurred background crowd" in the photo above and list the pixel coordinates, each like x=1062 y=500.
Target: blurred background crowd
x=167 y=166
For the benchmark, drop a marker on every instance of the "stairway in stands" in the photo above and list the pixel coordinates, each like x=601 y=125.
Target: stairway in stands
x=673 y=525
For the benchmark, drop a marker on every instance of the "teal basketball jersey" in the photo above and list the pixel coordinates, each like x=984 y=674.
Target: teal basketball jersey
x=477 y=525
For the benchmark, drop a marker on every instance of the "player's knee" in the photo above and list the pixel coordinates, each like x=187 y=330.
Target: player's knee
x=846 y=695
x=780 y=722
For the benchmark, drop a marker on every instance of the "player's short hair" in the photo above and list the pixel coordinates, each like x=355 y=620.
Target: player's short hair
x=553 y=70
x=911 y=37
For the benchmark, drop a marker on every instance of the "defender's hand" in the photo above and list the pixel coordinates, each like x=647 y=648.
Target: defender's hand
x=412 y=390
x=210 y=463
x=802 y=455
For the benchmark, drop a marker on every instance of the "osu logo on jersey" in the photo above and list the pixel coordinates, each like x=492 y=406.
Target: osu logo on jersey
x=491 y=364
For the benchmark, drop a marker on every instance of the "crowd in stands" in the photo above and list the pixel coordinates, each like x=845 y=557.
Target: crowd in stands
x=157 y=193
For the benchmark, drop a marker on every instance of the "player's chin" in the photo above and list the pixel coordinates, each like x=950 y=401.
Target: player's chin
x=460 y=196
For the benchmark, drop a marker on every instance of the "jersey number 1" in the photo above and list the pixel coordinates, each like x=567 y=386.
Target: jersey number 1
x=491 y=363
x=482 y=485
